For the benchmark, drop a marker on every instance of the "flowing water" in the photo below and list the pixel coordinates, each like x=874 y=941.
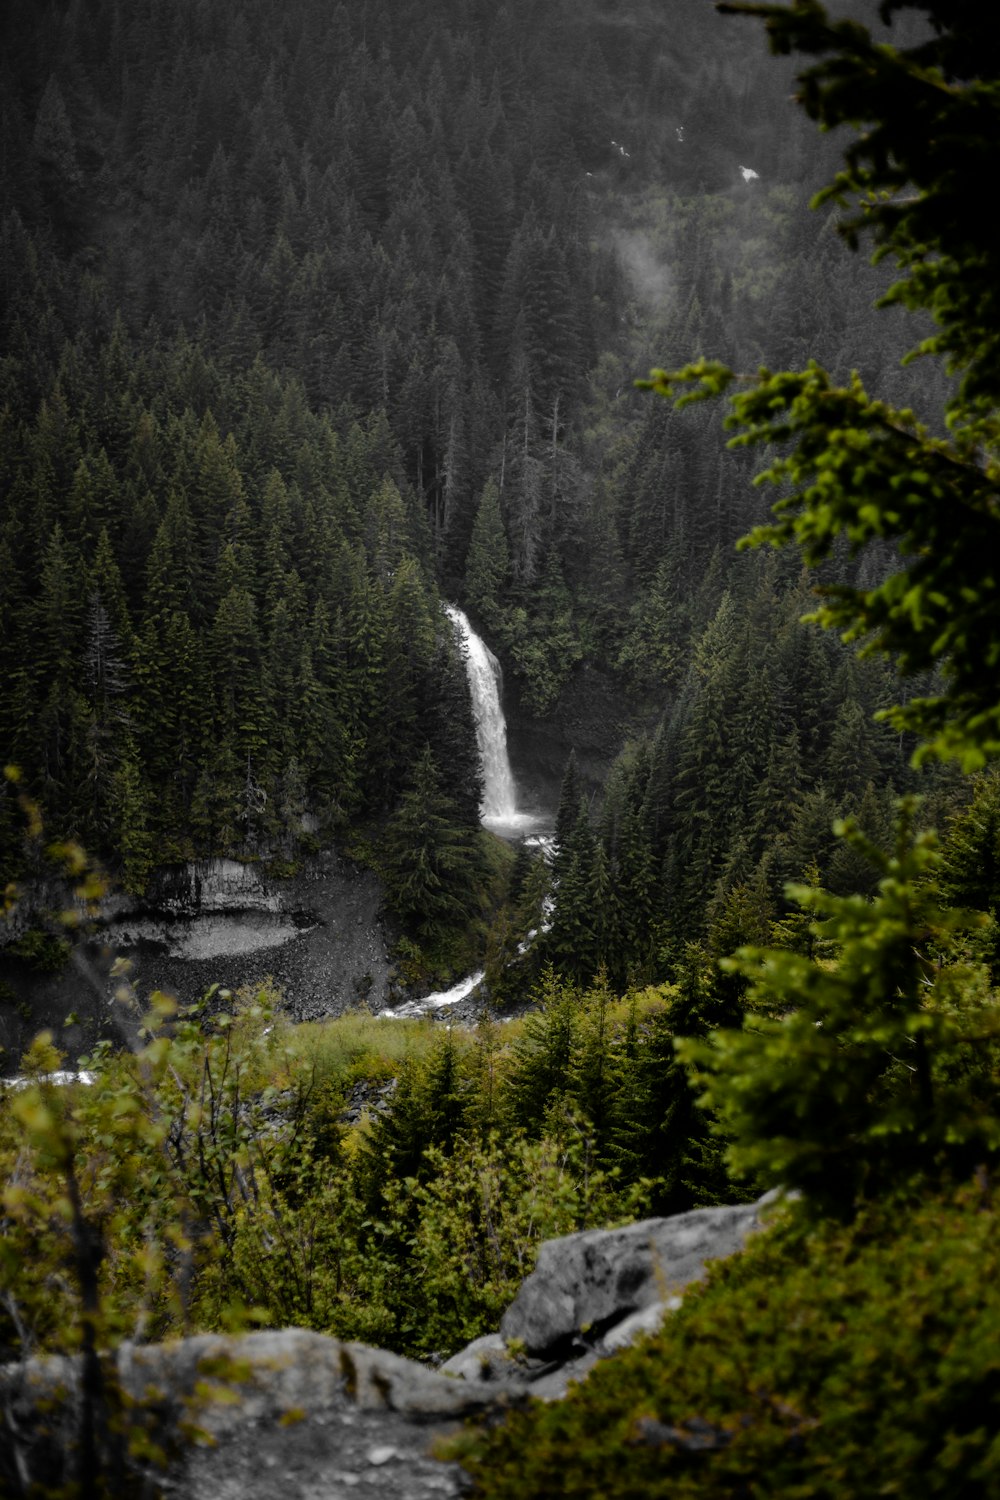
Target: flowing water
x=499 y=809
x=440 y=1000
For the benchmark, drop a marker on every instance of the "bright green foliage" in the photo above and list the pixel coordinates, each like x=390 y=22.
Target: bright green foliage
x=417 y=1229
x=305 y=1249
x=119 y=1212
x=864 y=471
x=217 y=1183
x=482 y=1211
x=868 y=1068
x=857 y=1361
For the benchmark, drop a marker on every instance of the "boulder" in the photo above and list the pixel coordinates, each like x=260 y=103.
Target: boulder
x=646 y=1320
x=486 y=1358
x=253 y=1416
x=583 y=1284
x=225 y=1382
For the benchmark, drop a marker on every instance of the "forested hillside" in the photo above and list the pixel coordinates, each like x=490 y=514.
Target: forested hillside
x=312 y=318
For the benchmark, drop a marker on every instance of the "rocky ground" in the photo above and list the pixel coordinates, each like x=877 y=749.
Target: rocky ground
x=329 y=950
x=338 y=1456
x=319 y=936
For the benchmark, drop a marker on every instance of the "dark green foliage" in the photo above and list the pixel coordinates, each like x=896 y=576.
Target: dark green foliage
x=970 y=865
x=924 y=112
x=865 y=470
x=874 y=1370
x=737 y=793
x=427 y=1111
x=488 y=562
x=657 y=1130
x=432 y=862
x=261 y=402
x=267 y=394
x=874 y=1063
x=970 y=874
x=540 y=1077
x=867 y=1067
x=577 y=938
x=571 y=798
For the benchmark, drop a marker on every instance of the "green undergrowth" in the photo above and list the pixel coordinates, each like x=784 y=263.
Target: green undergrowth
x=359 y=1045
x=377 y=1180
x=843 y=1361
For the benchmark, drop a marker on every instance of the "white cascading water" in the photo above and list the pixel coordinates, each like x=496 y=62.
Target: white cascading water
x=498 y=809
x=499 y=804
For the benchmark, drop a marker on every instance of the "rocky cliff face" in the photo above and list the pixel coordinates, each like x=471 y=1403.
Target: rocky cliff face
x=294 y=1412
x=319 y=936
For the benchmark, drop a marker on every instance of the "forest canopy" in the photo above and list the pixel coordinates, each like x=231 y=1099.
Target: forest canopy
x=857 y=468
x=318 y=318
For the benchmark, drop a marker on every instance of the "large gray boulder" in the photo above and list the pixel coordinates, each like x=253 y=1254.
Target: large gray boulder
x=258 y=1417
x=278 y=1375
x=586 y=1283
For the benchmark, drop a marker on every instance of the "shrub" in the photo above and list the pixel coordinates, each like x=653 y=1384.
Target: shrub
x=854 y=1361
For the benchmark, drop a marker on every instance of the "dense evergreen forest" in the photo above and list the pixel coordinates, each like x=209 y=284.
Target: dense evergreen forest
x=313 y=318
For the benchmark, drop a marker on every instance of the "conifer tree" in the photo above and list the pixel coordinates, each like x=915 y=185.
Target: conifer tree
x=575 y=941
x=57 y=161
x=853 y=1088
x=567 y=813
x=488 y=562
x=541 y=1073
x=432 y=859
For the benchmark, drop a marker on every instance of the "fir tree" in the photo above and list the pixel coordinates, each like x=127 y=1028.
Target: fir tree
x=433 y=865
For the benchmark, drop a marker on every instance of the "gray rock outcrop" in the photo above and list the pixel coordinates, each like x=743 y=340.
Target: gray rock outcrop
x=261 y=1411
x=585 y=1283
x=318 y=935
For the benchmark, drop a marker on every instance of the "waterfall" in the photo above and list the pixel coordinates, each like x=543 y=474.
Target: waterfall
x=498 y=809
x=499 y=804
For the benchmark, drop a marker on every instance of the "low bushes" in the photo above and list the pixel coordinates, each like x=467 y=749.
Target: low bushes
x=861 y=1360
